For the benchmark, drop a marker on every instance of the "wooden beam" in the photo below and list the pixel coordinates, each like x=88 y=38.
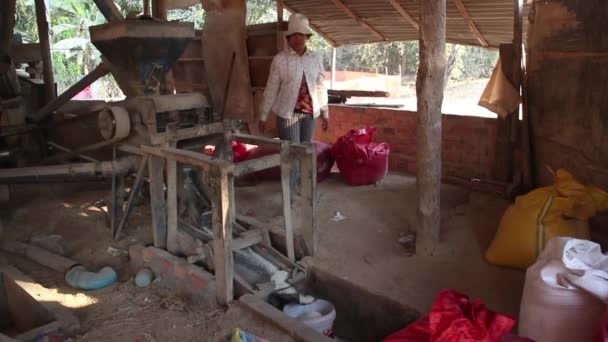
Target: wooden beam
x=315 y=28
x=222 y=236
x=109 y=10
x=189 y=133
x=257 y=164
x=139 y=180
x=98 y=72
x=472 y=26
x=200 y=160
x=405 y=14
x=429 y=92
x=358 y=19
x=45 y=51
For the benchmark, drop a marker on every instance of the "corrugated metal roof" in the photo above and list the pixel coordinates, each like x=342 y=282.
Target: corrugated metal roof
x=493 y=18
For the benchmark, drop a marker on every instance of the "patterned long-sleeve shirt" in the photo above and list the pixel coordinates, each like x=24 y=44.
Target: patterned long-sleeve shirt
x=283 y=86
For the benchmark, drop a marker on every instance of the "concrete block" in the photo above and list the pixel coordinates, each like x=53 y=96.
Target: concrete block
x=175 y=273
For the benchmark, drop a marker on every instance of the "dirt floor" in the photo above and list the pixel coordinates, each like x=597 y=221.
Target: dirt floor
x=363 y=248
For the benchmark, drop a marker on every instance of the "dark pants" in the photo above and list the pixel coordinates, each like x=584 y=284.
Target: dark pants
x=298 y=129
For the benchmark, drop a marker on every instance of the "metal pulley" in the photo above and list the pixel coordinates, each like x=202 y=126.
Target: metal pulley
x=114 y=123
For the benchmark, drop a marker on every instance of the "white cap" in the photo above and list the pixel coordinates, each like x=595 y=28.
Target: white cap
x=298 y=23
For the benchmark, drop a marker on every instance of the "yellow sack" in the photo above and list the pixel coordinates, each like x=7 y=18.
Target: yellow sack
x=559 y=210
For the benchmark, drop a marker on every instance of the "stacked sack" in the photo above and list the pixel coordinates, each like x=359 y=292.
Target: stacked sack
x=562 y=209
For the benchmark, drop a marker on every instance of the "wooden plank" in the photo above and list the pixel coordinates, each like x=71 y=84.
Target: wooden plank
x=26 y=53
x=405 y=14
x=139 y=180
x=358 y=93
x=358 y=19
x=40 y=255
x=156 y=168
x=257 y=164
x=200 y=160
x=257 y=140
x=45 y=51
x=246 y=240
x=429 y=91
x=472 y=26
x=189 y=133
x=222 y=236
x=286 y=164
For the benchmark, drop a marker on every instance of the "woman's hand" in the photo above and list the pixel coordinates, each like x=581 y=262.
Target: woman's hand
x=262 y=126
x=325 y=123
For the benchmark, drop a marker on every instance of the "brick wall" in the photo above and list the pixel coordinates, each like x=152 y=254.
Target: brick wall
x=469 y=143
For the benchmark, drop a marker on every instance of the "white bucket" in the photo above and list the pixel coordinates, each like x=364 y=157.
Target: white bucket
x=319 y=315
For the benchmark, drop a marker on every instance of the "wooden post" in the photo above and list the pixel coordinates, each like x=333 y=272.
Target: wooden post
x=333 y=68
x=524 y=137
x=280 y=7
x=504 y=143
x=307 y=216
x=222 y=234
x=45 y=51
x=156 y=170
x=286 y=162
x=160 y=9
x=429 y=91
x=172 y=190
x=7 y=23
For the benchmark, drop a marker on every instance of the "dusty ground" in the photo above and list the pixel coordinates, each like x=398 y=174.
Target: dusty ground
x=121 y=312
x=362 y=248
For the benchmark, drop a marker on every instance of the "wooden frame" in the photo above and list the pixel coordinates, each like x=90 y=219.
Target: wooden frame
x=222 y=174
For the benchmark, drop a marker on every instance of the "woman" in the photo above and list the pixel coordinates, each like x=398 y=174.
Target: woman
x=295 y=91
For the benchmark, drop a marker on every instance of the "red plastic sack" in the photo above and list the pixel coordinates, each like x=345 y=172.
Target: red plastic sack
x=240 y=151
x=360 y=160
x=454 y=318
x=324 y=161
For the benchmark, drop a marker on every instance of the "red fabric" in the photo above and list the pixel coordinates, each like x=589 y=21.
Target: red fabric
x=304 y=103
x=360 y=160
x=324 y=161
x=454 y=318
